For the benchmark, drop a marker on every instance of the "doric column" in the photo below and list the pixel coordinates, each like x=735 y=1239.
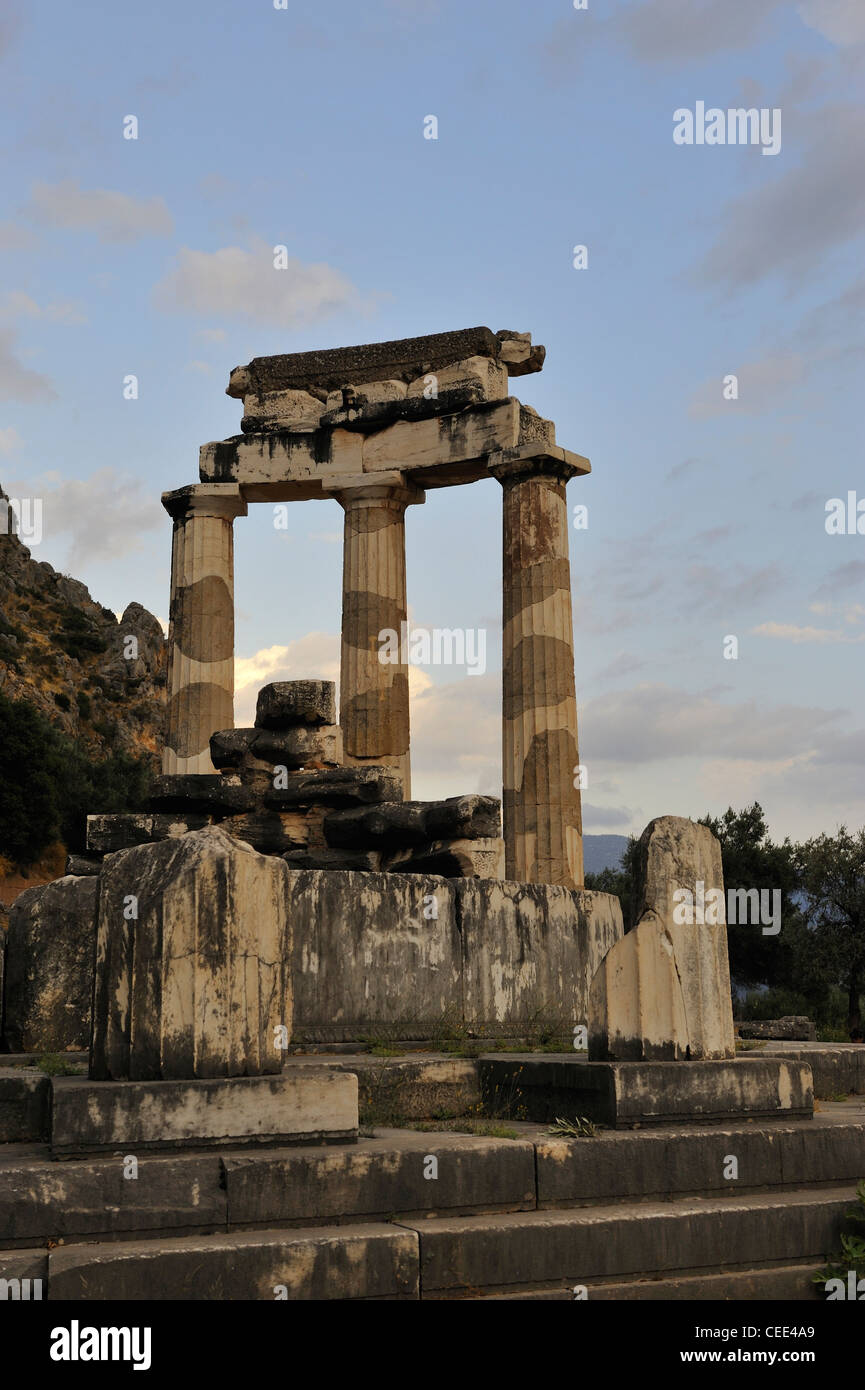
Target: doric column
x=201 y=622
x=541 y=804
x=373 y=693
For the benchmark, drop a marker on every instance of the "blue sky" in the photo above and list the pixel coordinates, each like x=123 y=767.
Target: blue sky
x=303 y=127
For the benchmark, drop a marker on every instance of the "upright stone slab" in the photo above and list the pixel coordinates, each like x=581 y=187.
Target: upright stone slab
x=530 y=950
x=662 y=993
x=198 y=983
x=372 y=953
x=49 y=968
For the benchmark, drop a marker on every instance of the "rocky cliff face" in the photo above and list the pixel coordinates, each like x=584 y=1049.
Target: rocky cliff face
x=100 y=680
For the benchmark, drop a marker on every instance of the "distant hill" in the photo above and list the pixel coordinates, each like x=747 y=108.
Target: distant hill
x=603 y=852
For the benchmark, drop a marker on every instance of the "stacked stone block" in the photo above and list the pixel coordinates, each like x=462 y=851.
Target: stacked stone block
x=282 y=788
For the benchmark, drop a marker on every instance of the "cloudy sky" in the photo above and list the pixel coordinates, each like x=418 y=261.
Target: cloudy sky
x=303 y=126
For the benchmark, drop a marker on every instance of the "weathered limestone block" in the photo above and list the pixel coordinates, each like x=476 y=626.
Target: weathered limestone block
x=284 y=704
x=325 y=858
x=490 y=378
x=402 y=359
x=517 y=353
x=385 y=825
x=25 y=1116
x=415 y=822
x=423 y=438
x=305 y=1105
x=463 y=817
x=197 y=984
x=274 y=832
x=290 y=748
x=663 y=991
x=435 y=443
x=49 y=966
x=123 y=829
x=206 y=792
x=399 y=359
x=287 y=410
x=532 y=948
x=343 y=786
x=368 y=393
x=476 y=858
x=372 y=948
x=82 y=865
x=367 y=1262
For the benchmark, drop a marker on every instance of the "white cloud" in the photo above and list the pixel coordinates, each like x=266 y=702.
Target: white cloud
x=17 y=304
x=841 y=21
x=652 y=722
x=103 y=515
x=683 y=30
x=243 y=284
x=13 y=237
x=113 y=216
x=314 y=656
x=10 y=440
x=17 y=382
x=787 y=632
x=850 y=612
x=791 y=220
x=849 y=575
x=761 y=385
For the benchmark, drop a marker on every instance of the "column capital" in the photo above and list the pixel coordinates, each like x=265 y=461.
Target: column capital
x=539 y=460
x=389 y=487
x=223 y=500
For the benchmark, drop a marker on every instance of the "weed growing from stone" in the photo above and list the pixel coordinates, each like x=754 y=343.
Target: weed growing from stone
x=852 y=1256
x=579 y=1128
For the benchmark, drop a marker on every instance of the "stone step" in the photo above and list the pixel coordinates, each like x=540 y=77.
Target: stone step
x=106 y=1197
x=746 y=1248
x=625 y=1094
x=530 y=1250
x=303 y=1105
x=837 y=1068
x=793 y=1282
x=374 y=1261
x=715 y=1160
x=110 y=1199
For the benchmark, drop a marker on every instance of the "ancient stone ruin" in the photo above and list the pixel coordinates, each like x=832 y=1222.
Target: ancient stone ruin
x=231 y=958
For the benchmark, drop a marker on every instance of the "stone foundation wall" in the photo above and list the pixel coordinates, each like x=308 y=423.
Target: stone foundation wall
x=418 y=956
x=375 y=955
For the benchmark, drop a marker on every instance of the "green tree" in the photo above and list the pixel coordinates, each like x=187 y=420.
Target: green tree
x=49 y=783
x=620 y=882
x=832 y=878
x=751 y=859
x=29 y=817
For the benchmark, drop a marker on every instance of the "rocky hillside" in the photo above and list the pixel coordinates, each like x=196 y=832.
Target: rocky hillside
x=100 y=681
